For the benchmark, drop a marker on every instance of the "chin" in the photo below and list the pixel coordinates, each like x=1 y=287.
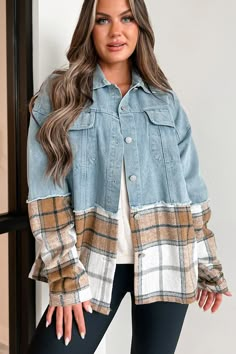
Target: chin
x=115 y=60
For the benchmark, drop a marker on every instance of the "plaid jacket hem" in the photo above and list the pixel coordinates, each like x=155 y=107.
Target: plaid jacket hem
x=174 y=252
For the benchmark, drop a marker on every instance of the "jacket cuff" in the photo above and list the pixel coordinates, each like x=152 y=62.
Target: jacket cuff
x=69 y=288
x=210 y=275
x=211 y=278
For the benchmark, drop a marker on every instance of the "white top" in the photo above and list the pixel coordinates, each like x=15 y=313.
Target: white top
x=125 y=251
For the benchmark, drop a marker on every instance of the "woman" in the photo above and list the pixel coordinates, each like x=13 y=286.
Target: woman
x=116 y=200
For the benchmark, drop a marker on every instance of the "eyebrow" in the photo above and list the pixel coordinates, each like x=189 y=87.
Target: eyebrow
x=122 y=13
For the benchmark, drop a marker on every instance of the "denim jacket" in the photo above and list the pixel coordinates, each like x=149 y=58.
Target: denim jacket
x=76 y=225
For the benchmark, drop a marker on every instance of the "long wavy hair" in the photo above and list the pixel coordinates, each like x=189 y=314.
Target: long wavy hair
x=71 y=88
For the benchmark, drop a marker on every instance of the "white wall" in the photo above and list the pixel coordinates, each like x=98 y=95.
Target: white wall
x=195 y=49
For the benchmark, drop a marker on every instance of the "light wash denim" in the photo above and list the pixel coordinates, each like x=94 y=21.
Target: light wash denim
x=150 y=130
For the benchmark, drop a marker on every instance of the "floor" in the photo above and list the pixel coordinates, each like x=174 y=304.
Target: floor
x=3 y=349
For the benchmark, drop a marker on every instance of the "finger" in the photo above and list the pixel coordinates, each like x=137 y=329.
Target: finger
x=68 y=323
x=217 y=302
x=198 y=294
x=87 y=306
x=49 y=315
x=228 y=293
x=59 y=322
x=202 y=298
x=209 y=301
x=79 y=318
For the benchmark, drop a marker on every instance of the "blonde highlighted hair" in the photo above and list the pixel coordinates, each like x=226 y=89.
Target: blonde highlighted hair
x=71 y=88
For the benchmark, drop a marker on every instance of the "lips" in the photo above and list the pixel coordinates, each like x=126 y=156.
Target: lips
x=116 y=44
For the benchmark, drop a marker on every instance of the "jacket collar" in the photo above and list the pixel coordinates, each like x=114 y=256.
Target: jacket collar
x=99 y=79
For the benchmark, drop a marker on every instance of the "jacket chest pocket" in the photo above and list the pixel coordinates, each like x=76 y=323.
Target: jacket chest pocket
x=82 y=134
x=162 y=136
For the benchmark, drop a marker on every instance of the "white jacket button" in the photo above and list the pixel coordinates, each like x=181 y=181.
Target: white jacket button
x=132 y=178
x=128 y=139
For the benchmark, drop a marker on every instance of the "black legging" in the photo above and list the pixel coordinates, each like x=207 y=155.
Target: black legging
x=155 y=327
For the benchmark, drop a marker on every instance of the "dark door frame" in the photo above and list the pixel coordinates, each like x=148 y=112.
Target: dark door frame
x=21 y=243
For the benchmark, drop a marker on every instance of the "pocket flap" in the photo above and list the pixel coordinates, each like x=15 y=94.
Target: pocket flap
x=85 y=120
x=160 y=117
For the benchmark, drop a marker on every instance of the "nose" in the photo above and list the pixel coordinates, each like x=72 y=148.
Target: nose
x=116 y=28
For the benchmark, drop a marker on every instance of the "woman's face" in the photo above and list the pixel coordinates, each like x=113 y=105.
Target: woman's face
x=114 y=23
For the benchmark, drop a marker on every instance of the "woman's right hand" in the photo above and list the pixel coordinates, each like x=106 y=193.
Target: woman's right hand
x=64 y=315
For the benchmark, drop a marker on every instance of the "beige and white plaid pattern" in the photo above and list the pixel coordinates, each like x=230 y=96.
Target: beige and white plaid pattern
x=174 y=252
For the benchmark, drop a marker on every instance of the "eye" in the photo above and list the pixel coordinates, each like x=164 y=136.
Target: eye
x=130 y=18
x=100 y=19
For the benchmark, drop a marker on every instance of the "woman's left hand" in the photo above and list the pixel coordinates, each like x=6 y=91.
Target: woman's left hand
x=208 y=299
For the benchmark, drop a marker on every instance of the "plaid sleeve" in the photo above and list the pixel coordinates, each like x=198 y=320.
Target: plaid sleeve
x=52 y=224
x=210 y=274
x=52 y=221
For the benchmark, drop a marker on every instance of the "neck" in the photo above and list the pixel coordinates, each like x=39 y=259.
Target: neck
x=118 y=73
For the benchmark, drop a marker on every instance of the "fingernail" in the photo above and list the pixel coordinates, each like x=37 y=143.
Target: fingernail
x=89 y=308
x=82 y=335
x=47 y=324
x=67 y=341
x=59 y=336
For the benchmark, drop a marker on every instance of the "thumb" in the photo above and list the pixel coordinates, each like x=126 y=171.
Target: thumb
x=87 y=306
